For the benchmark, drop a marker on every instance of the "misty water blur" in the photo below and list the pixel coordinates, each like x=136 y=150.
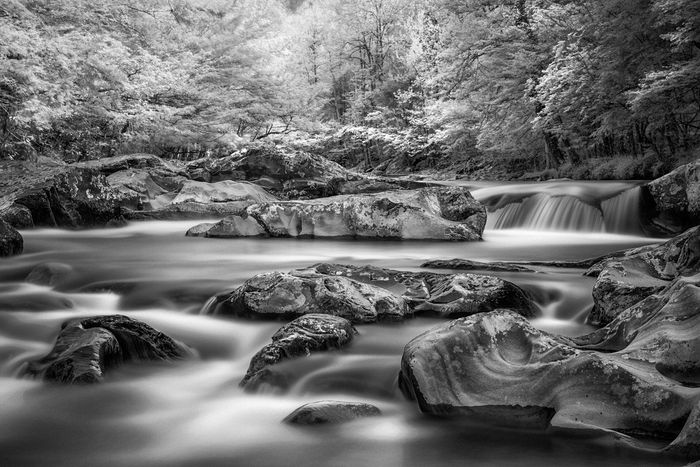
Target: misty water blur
x=194 y=413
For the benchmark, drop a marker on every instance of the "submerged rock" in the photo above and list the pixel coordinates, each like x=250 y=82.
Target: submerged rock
x=322 y=412
x=11 y=242
x=498 y=367
x=446 y=213
x=87 y=348
x=674 y=199
x=301 y=337
x=279 y=295
x=49 y=274
x=640 y=272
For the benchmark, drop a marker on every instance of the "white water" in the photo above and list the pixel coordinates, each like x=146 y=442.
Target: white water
x=193 y=413
x=563 y=206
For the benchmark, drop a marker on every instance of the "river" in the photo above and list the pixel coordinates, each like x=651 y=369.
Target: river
x=194 y=413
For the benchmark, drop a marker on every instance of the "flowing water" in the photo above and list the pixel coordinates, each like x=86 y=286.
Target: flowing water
x=193 y=413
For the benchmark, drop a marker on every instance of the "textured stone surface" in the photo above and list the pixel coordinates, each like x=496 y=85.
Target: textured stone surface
x=469 y=265
x=49 y=274
x=497 y=366
x=446 y=213
x=11 y=242
x=303 y=336
x=663 y=329
x=61 y=196
x=18 y=216
x=87 y=348
x=675 y=199
x=444 y=295
x=322 y=412
x=640 y=272
x=279 y=295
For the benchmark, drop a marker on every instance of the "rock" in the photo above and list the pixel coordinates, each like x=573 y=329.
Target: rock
x=11 y=242
x=140 y=189
x=194 y=200
x=303 y=336
x=447 y=213
x=687 y=443
x=64 y=196
x=496 y=366
x=443 y=295
x=321 y=412
x=110 y=165
x=673 y=201
x=640 y=272
x=279 y=295
x=49 y=274
x=245 y=225
x=292 y=174
x=18 y=216
x=663 y=329
x=87 y=348
x=469 y=265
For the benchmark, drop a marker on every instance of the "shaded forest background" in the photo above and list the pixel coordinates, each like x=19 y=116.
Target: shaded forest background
x=483 y=88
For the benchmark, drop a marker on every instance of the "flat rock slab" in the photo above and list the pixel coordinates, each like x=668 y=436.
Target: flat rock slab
x=300 y=338
x=323 y=412
x=86 y=349
x=445 y=213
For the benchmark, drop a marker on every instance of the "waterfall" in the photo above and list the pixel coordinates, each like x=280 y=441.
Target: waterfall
x=616 y=212
x=621 y=212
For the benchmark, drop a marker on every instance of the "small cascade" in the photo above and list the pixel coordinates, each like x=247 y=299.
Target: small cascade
x=621 y=212
x=546 y=212
x=612 y=207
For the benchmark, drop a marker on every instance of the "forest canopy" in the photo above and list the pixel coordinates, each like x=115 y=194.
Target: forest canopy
x=548 y=82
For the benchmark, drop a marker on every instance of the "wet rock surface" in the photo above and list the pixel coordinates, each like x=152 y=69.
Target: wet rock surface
x=11 y=242
x=663 y=330
x=322 y=412
x=674 y=199
x=425 y=214
x=279 y=295
x=469 y=265
x=638 y=273
x=366 y=294
x=59 y=195
x=86 y=349
x=299 y=338
x=498 y=367
x=443 y=295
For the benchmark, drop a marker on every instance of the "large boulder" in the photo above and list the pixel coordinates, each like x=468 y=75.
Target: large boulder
x=445 y=213
x=300 y=338
x=292 y=174
x=280 y=295
x=59 y=195
x=11 y=242
x=322 y=412
x=673 y=201
x=663 y=329
x=629 y=278
x=87 y=348
x=366 y=294
x=498 y=367
x=442 y=295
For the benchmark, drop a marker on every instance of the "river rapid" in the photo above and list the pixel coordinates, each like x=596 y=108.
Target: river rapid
x=194 y=413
